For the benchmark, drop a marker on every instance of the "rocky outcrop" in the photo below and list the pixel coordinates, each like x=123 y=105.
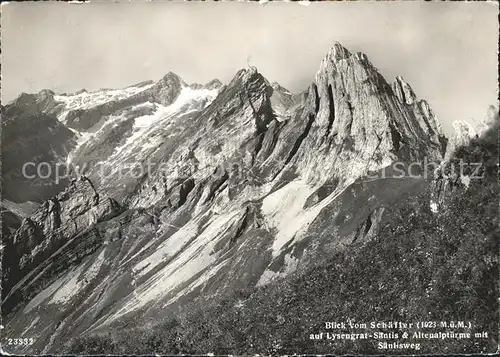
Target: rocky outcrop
x=403 y=91
x=25 y=104
x=57 y=222
x=13 y=214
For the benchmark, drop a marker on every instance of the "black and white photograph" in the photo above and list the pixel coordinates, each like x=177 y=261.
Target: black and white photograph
x=249 y=178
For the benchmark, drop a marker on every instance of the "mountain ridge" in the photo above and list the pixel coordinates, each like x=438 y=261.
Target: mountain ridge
x=245 y=186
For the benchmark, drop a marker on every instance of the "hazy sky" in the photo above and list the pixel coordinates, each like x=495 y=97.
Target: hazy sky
x=447 y=51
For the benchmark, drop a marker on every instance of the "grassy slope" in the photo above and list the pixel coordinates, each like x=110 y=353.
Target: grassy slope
x=421 y=266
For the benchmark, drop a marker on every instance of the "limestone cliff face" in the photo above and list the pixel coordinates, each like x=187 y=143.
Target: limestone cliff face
x=355 y=123
x=57 y=223
x=423 y=113
x=231 y=186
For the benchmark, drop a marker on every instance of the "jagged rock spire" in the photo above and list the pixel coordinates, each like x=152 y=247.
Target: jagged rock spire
x=403 y=91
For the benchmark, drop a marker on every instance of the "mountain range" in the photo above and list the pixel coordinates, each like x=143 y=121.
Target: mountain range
x=153 y=196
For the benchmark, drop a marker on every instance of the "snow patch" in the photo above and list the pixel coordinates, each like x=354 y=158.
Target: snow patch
x=172 y=246
x=189 y=100
x=191 y=260
x=43 y=295
x=283 y=209
x=87 y=100
x=71 y=285
x=82 y=138
x=202 y=279
x=94 y=269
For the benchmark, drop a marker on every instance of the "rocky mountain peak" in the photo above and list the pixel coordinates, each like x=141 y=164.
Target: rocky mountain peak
x=171 y=77
x=249 y=83
x=213 y=84
x=338 y=52
x=357 y=102
x=464 y=132
x=31 y=103
x=168 y=88
x=403 y=91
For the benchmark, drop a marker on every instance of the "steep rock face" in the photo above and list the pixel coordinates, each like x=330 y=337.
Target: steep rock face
x=55 y=224
x=228 y=130
x=422 y=111
x=13 y=213
x=246 y=184
x=354 y=124
x=367 y=107
x=42 y=102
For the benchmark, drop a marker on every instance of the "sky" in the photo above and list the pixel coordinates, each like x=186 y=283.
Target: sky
x=447 y=51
